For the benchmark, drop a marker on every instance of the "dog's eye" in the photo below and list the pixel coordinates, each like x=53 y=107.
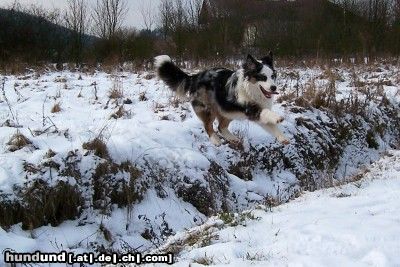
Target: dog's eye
x=261 y=78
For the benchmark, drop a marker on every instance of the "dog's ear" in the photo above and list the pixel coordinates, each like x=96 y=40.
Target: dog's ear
x=268 y=60
x=251 y=63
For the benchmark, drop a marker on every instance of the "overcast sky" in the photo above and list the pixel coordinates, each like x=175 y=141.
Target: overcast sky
x=133 y=17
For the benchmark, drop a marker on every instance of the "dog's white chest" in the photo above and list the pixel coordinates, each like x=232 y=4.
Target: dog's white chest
x=247 y=96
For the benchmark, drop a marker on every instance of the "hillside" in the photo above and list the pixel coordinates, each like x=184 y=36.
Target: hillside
x=354 y=225
x=31 y=38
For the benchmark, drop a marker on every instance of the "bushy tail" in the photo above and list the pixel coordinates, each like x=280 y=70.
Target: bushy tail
x=177 y=80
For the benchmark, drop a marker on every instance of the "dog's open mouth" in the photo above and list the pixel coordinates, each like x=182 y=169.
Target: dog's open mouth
x=267 y=94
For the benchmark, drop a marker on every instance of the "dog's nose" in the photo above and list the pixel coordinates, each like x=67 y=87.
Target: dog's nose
x=273 y=88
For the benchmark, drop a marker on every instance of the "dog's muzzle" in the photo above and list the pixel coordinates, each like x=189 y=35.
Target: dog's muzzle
x=268 y=94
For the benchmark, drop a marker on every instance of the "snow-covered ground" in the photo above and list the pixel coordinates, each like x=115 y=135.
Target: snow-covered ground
x=183 y=178
x=357 y=224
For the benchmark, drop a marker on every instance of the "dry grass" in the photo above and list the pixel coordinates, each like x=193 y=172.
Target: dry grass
x=204 y=260
x=199 y=237
x=117 y=90
x=142 y=96
x=98 y=147
x=56 y=108
x=149 y=76
x=255 y=257
x=108 y=191
x=50 y=153
x=106 y=233
x=121 y=112
x=60 y=80
x=18 y=141
x=158 y=107
x=176 y=101
x=115 y=93
x=41 y=204
x=165 y=118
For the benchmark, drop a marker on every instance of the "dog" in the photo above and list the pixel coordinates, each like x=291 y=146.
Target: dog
x=226 y=95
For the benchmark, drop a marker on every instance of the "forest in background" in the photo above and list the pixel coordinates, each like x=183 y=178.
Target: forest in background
x=95 y=34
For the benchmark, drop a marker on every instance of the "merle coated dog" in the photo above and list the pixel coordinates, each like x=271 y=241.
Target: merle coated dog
x=226 y=95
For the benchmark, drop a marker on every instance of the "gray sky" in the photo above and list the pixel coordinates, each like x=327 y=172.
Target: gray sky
x=133 y=18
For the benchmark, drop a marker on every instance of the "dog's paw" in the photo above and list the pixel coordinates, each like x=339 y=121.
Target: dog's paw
x=279 y=119
x=283 y=140
x=215 y=140
x=230 y=137
x=275 y=119
x=235 y=141
x=236 y=145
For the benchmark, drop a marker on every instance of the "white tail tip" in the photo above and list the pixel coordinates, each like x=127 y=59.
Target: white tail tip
x=159 y=60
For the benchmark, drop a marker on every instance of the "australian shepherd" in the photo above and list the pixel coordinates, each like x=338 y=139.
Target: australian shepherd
x=227 y=95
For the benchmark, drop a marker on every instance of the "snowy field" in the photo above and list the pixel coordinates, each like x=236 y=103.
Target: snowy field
x=357 y=224
x=158 y=175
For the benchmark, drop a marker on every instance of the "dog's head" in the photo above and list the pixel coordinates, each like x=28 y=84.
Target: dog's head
x=261 y=74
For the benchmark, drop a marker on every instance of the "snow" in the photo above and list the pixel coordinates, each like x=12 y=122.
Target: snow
x=160 y=134
x=352 y=225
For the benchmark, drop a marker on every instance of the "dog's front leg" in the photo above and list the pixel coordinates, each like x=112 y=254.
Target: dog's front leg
x=274 y=130
x=268 y=121
x=269 y=117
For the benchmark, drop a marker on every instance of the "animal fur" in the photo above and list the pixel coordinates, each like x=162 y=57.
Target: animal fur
x=226 y=95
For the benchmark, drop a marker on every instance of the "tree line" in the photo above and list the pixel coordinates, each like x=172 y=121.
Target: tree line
x=92 y=34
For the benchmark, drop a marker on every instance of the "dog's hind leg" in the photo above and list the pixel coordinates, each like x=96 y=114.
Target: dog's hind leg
x=223 y=124
x=207 y=117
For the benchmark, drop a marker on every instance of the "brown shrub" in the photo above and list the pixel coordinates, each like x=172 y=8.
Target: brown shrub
x=42 y=204
x=115 y=94
x=117 y=91
x=56 y=108
x=107 y=190
x=18 y=141
x=98 y=146
x=119 y=113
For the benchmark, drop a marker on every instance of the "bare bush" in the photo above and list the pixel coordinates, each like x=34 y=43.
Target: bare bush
x=117 y=90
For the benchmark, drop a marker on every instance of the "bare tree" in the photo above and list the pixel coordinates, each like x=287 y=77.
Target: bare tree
x=396 y=27
x=76 y=19
x=177 y=25
x=108 y=17
x=147 y=14
x=193 y=10
x=166 y=14
x=15 y=5
x=396 y=8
